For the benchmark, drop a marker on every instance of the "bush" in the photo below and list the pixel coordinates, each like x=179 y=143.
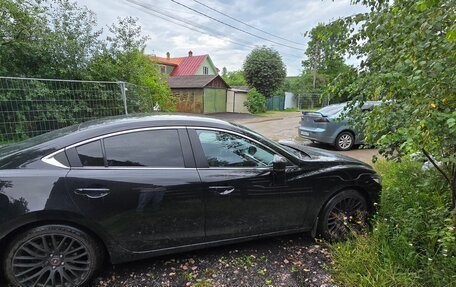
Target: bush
x=413 y=240
x=255 y=103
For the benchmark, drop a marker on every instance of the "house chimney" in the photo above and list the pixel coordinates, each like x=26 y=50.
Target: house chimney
x=190 y=53
x=168 y=55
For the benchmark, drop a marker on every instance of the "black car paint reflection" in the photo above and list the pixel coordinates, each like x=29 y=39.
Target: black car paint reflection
x=147 y=211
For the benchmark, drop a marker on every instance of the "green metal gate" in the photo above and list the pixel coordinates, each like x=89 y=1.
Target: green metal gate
x=275 y=103
x=214 y=100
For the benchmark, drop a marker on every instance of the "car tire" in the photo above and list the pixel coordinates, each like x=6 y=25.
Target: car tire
x=344 y=141
x=343 y=215
x=52 y=255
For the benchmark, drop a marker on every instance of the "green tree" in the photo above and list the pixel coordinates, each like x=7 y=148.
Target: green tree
x=264 y=70
x=123 y=59
x=409 y=62
x=52 y=39
x=323 y=56
x=235 y=78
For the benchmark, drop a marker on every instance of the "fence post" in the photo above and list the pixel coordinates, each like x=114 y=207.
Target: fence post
x=124 y=96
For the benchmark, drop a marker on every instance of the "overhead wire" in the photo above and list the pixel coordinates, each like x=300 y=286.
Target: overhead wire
x=195 y=27
x=244 y=23
x=234 y=27
x=157 y=12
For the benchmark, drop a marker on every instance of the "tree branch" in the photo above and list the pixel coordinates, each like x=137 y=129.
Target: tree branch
x=436 y=165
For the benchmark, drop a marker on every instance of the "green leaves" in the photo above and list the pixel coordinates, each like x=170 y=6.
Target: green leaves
x=256 y=102
x=264 y=70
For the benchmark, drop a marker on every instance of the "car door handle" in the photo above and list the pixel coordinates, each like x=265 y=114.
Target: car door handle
x=222 y=190
x=93 y=192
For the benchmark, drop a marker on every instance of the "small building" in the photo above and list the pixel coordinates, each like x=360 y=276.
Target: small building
x=236 y=96
x=199 y=93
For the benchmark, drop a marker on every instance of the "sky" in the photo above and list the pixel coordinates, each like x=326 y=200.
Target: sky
x=175 y=26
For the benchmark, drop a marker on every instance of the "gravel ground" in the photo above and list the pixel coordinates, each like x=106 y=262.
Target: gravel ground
x=290 y=261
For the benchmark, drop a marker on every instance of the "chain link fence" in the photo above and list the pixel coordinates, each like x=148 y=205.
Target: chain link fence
x=30 y=106
x=312 y=101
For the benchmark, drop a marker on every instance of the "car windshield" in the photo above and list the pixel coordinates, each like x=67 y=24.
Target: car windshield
x=297 y=153
x=332 y=109
x=287 y=150
x=14 y=147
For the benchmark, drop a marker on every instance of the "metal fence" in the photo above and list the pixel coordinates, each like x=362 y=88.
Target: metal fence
x=31 y=106
x=312 y=101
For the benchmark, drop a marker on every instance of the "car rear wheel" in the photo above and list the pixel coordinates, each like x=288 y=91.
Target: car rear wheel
x=343 y=215
x=345 y=141
x=52 y=255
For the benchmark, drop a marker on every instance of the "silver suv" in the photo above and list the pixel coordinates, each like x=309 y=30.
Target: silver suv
x=325 y=126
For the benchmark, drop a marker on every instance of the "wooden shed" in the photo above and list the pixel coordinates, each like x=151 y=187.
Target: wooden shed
x=199 y=93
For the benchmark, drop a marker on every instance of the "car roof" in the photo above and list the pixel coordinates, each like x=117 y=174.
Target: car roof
x=152 y=119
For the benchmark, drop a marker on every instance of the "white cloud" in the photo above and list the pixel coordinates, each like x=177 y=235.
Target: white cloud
x=282 y=18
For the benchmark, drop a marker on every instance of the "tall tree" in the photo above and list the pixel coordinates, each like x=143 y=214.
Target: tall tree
x=264 y=70
x=409 y=62
x=53 y=39
x=323 y=55
x=122 y=59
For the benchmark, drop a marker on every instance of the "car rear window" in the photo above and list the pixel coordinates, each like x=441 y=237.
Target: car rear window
x=332 y=109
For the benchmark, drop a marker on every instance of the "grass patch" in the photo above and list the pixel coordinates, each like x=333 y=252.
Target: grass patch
x=413 y=239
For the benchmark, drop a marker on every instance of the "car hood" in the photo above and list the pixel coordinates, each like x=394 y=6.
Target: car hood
x=323 y=156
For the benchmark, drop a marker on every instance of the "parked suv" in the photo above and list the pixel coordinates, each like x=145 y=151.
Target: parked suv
x=327 y=126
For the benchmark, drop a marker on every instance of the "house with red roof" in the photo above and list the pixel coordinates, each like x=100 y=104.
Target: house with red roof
x=195 y=82
x=185 y=66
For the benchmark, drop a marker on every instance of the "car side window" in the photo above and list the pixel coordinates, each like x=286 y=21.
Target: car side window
x=154 y=148
x=228 y=150
x=91 y=154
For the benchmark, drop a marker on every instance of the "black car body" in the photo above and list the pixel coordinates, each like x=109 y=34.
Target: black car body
x=142 y=186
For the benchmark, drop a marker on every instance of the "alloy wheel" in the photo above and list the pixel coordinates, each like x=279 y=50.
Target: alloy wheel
x=345 y=141
x=347 y=216
x=51 y=260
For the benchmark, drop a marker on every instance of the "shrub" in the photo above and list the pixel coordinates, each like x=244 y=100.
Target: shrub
x=255 y=103
x=413 y=240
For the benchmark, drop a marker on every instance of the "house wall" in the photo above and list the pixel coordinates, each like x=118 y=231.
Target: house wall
x=208 y=64
x=189 y=100
x=235 y=102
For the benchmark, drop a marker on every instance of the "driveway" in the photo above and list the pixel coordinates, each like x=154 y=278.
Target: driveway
x=284 y=125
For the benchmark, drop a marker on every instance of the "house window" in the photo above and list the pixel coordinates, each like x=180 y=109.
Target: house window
x=162 y=69
x=205 y=70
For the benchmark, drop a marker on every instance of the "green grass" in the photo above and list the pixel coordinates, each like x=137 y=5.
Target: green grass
x=413 y=240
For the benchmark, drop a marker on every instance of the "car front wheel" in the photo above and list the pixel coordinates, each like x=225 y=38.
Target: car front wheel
x=51 y=255
x=343 y=215
x=345 y=141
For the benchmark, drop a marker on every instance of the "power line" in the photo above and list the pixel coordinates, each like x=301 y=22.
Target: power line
x=246 y=24
x=236 y=28
x=194 y=26
x=154 y=11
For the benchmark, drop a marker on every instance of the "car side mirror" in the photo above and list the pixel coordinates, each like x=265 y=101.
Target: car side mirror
x=279 y=163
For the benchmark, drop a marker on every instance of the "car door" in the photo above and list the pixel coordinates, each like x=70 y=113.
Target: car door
x=140 y=186
x=243 y=197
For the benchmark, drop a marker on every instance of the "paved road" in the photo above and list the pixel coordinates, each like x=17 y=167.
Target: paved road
x=284 y=125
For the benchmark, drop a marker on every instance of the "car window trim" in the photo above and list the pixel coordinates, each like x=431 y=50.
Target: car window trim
x=49 y=159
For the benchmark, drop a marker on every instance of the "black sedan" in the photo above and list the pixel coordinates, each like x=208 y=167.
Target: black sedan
x=128 y=188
